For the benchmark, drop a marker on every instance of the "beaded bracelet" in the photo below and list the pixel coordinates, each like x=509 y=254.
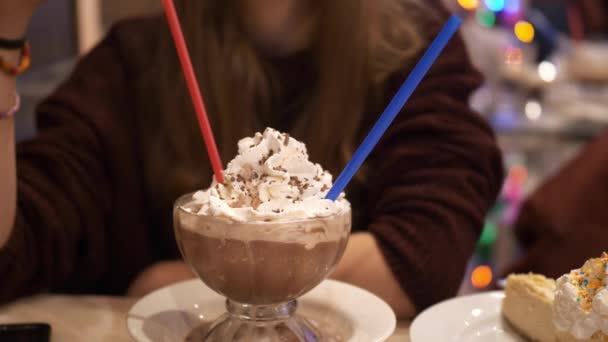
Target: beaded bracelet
x=24 y=62
x=13 y=110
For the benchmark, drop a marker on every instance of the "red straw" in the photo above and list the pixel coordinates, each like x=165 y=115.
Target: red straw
x=195 y=92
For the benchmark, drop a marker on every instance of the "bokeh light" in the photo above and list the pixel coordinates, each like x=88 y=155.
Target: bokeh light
x=486 y=18
x=495 y=5
x=533 y=110
x=524 y=31
x=481 y=277
x=513 y=56
x=469 y=4
x=512 y=6
x=488 y=234
x=547 y=71
x=518 y=174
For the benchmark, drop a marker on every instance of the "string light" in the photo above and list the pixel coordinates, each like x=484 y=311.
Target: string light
x=469 y=4
x=481 y=277
x=495 y=5
x=524 y=31
x=486 y=18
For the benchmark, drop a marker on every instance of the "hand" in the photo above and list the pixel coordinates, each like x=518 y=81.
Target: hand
x=15 y=15
x=159 y=275
x=363 y=265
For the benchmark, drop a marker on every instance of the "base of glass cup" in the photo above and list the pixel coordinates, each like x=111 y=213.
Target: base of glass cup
x=245 y=322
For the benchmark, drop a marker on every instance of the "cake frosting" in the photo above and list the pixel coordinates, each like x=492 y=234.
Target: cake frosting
x=270 y=179
x=581 y=300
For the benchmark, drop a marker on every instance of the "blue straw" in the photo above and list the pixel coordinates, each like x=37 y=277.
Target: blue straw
x=395 y=106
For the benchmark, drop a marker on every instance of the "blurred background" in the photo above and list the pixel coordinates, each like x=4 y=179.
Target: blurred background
x=77 y=26
x=546 y=90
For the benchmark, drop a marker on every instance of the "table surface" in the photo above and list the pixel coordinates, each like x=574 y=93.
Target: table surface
x=93 y=318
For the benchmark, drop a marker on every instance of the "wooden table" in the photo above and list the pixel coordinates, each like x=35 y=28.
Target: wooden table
x=93 y=318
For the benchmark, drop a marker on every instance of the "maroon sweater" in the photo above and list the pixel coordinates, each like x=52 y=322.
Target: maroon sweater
x=563 y=223
x=84 y=224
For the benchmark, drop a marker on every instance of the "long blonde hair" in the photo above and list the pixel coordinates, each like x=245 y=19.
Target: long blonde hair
x=359 y=43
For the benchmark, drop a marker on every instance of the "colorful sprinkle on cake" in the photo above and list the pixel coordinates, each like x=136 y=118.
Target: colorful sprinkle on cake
x=589 y=279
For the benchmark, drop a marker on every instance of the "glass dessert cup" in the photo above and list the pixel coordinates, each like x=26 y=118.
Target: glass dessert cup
x=261 y=268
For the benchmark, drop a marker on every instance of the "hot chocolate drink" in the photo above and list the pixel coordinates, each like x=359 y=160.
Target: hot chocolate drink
x=262 y=263
x=264 y=238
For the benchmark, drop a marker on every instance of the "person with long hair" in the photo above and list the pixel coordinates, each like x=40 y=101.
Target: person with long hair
x=85 y=206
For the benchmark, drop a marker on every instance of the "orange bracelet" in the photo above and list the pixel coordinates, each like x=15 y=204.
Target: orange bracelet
x=25 y=61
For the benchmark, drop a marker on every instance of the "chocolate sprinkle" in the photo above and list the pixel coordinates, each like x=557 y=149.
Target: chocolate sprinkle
x=286 y=141
x=294 y=181
x=265 y=158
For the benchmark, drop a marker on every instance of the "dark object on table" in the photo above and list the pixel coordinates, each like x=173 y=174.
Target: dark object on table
x=25 y=332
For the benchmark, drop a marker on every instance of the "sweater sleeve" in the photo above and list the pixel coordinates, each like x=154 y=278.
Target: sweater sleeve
x=436 y=172
x=64 y=185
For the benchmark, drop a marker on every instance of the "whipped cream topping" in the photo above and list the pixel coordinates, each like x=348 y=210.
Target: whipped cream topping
x=581 y=299
x=271 y=179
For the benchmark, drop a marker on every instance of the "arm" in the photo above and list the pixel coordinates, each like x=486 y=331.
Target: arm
x=566 y=213
x=12 y=26
x=7 y=162
x=364 y=265
x=65 y=185
x=432 y=178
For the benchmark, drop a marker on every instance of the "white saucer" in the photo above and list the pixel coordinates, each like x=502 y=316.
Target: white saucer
x=170 y=313
x=474 y=318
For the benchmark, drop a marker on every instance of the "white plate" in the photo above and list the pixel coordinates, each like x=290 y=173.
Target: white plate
x=170 y=313
x=474 y=318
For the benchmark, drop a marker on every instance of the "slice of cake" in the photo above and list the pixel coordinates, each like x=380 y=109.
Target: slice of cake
x=528 y=306
x=573 y=309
